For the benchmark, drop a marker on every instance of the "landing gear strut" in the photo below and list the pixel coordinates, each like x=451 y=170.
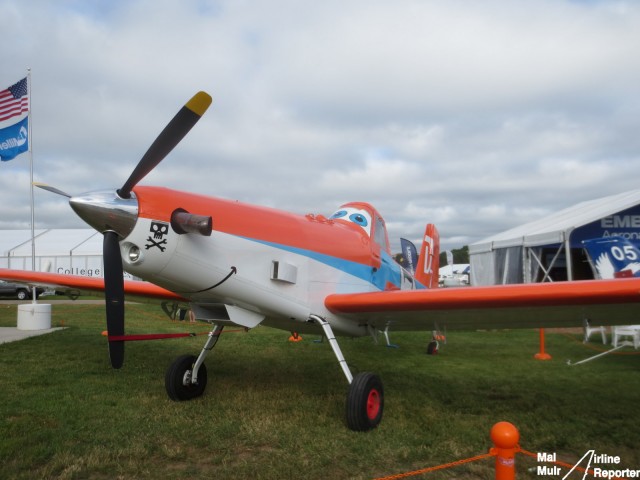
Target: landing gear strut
x=186 y=378
x=365 y=398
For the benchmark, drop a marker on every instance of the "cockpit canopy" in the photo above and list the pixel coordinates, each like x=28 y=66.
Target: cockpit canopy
x=367 y=218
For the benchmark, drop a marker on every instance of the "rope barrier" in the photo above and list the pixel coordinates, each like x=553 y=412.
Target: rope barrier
x=160 y=336
x=438 y=467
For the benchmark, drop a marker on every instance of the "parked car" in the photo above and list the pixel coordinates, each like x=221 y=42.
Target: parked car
x=16 y=290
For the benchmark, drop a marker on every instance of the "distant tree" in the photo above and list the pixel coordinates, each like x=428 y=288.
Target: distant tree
x=460 y=255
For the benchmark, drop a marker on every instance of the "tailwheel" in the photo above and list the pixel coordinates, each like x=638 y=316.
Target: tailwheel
x=178 y=379
x=365 y=402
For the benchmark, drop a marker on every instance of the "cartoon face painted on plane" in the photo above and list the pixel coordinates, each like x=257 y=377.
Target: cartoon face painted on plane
x=358 y=216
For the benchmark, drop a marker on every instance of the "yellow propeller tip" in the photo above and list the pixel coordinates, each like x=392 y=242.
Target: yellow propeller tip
x=199 y=103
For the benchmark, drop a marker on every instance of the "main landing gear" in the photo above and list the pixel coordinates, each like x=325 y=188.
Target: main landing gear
x=186 y=379
x=365 y=398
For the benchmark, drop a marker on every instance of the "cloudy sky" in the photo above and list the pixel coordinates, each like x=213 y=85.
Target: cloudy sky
x=476 y=116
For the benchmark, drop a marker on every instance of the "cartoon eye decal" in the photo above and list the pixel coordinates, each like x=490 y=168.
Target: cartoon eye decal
x=359 y=218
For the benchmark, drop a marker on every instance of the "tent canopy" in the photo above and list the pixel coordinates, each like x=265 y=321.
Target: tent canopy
x=504 y=257
x=557 y=227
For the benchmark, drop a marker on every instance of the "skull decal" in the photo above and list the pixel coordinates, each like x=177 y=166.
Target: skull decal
x=159 y=229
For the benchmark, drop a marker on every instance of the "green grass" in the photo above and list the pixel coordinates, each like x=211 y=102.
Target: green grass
x=274 y=409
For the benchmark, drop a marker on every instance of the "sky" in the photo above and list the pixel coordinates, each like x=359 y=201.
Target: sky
x=475 y=116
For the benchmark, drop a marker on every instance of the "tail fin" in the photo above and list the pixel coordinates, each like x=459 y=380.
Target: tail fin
x=613 y=257
x=429 y=258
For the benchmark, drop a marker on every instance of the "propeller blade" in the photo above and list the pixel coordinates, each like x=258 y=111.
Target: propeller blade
x=172 y=134
x=49 y=188
x=114 y=295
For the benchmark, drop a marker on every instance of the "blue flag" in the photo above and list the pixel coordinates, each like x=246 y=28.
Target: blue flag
x=409 y=255
x=13 y=140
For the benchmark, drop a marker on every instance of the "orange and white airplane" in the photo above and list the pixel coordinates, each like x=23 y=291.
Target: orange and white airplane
x=248 y=265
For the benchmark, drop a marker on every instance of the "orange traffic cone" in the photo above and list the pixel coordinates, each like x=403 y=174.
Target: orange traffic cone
x=295 y=337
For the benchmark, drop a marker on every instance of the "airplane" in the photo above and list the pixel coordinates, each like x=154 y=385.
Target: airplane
x=247 y=265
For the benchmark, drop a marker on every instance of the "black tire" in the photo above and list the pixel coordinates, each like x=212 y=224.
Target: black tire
x=174 y=380
x=22 y=295
x=365 y=402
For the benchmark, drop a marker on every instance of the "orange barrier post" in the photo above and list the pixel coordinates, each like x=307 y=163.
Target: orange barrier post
x=505 y=438
x=295 y=337
x=542 y=355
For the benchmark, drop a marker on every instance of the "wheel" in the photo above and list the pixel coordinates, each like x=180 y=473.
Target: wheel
x=365 y=402
x=22 y=295
x=432 y=348
x=177 y=380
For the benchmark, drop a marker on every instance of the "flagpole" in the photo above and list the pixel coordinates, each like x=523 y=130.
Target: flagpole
x=33 y=216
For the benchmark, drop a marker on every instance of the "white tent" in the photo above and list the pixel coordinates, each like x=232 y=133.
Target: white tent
x=532 y=252
x=66 y=251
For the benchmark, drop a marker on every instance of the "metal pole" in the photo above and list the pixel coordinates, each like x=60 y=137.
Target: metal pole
x=33 y=232
x=567 y=248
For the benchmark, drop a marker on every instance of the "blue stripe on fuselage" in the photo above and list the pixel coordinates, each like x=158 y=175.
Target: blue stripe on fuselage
x=389 y=271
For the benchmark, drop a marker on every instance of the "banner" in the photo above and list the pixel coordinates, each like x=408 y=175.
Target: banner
x=409 y=255
x=449 y=254
x=13 y=140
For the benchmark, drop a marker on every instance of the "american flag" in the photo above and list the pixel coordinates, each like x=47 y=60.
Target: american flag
x=14 y=100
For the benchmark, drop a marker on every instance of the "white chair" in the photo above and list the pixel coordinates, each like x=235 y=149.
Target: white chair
x=632 y=331
x=588 y=330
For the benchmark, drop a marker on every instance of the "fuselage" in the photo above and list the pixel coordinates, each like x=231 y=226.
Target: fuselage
x=261 y=264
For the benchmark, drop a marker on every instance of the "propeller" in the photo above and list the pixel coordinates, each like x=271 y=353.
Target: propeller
x=49 y=188
x=114 y=295
x=114 y=215
x=172 y=134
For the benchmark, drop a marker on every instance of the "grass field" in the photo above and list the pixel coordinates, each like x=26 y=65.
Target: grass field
x=274 y=409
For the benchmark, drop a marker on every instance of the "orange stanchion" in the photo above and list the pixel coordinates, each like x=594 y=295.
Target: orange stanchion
x=505 y=438
x=542 y=355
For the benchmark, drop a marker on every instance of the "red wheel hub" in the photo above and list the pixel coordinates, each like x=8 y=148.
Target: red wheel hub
x=373 y=404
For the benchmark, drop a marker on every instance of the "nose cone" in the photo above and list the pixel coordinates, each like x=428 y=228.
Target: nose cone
x=105 y=210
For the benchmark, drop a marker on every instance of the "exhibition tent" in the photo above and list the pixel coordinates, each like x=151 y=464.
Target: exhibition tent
x=550 y=249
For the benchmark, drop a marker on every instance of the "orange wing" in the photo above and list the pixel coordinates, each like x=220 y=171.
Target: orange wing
x=76 y=283
x=564 y=304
